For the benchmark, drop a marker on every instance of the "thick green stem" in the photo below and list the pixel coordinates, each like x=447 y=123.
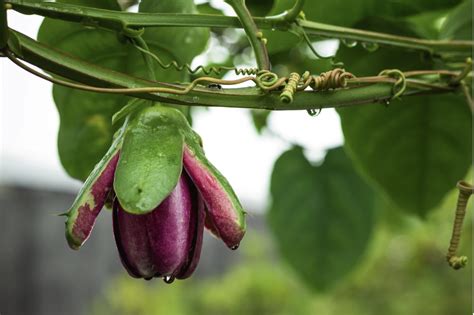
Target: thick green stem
x=119 y=20
x=82 y=71
x=432 y=46
x=253 y=34
x=3 y=25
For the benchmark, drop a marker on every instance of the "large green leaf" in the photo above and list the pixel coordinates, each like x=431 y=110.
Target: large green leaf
x=85 y=118
x=412 y=148
x=85 y=131
x=458 y=23
x=322 y=217
x=183 y=42
x=415 y=150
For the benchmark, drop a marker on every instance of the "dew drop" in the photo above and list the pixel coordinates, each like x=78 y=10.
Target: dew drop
x=168 y=279
x=195 y=99
x=235 y=247
x=371 y=47
x=314 y=112
x=349 y=42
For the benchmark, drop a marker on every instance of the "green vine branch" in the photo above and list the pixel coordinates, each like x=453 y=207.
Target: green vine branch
x=254 y=35
x=117 y=21
x=267 y=96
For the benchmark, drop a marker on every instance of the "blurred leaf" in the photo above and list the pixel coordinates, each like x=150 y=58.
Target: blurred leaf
x=85 y=131
x=410 y=149
x=322 y=217
x=403 y=8
x=184 y=42
x=260 y=118
x=427 y=24
x=416 y=149
x=458 y=23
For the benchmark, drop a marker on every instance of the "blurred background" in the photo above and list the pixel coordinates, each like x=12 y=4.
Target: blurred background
x=402 y=272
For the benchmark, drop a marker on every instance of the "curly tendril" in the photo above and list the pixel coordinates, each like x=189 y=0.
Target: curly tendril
x=400 y=84
x=333 y=79
x=217 y=70
x=465 y=191
x=290 y=88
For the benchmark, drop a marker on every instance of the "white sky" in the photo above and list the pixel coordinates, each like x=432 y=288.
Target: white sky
x=29 y=124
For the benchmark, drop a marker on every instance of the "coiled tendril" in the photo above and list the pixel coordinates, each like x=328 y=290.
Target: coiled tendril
x=465 y=191
x=333 y=79
x=217 y=70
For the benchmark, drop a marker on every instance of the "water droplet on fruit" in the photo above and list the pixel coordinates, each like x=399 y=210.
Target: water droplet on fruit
x=314 y=112
x=168 y=279
x=235 y=247
x=371 y=47
x=349 y=42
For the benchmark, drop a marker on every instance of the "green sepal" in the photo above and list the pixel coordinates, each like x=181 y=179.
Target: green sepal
x=237 y=226
x=86 y=200
x=151 y=160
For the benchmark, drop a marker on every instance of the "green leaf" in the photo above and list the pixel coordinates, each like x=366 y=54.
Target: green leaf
x=151 y=159
x=410 y=148
x=85 y=130
x=458 y=23
x=415 y=150
x=403 y=8
x=427 y=24
x=322 y=216
x=183 y=42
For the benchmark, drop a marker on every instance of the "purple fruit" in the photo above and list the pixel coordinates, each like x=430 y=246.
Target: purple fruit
x=165 y=242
